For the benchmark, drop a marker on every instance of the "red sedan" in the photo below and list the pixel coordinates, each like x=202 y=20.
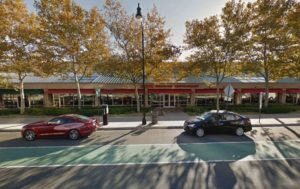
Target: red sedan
x=71 y=125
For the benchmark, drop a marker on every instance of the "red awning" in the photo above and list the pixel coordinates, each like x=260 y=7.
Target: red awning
x=169 y=91
x=186 y=85
x=261 y=90
x=70 y=91
x=293 y=90
x=120 y=91
x=208 y=90
x=163 y=86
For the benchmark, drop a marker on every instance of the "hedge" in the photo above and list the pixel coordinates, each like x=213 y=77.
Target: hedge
x=272 y=109
x=91 y=111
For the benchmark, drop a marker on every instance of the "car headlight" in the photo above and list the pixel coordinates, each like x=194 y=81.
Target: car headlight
x=191 y=125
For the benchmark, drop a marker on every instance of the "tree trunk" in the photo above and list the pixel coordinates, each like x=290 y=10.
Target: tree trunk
x=22 y=97
x=266 y=100
x=137 y=98
x=78 y=91
x=218 y=97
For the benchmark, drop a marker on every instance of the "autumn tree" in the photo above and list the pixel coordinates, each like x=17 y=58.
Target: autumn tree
x=216 y=42
x=18 y=42
x=125 y=30
x=268 y=40
x=73 y=40
x=292 y=52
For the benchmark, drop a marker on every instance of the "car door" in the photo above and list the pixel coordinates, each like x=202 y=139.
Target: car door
x=47 y=128
x=63 y=127
x=232 y=121
x=222 y=122
x=53 y=124
x=215 y=123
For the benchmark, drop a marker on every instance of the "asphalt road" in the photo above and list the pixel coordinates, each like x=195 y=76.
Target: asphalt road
x=267 y=157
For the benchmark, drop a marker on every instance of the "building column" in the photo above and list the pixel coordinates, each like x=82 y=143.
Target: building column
x=146 y=98
x=237 y=98
x=59 y=101
x=297 y=97
x=97 y=102
x=193 y=98
x=47 y=99
x=282 y=97
x=29 y=101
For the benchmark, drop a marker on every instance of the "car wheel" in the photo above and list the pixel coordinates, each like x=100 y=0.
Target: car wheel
x=73 y=134
x=29 y=135
x=200 y=132
x=239 y=131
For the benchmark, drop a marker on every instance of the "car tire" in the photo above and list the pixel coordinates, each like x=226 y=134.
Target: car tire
x=74 y=134
x=29 y=135
x=239 y=131
x=200 y=132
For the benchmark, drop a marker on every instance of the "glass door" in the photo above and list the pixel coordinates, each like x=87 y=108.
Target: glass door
x=169 y=100
x=166 y=100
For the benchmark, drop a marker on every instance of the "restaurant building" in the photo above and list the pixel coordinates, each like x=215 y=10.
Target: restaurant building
x=58 y=92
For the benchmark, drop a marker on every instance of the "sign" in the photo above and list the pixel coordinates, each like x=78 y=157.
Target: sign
x=229 y=90
x=98 y=92
x=226 y=98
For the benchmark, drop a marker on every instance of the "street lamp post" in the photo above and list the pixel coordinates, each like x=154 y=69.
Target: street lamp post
x=139 y=16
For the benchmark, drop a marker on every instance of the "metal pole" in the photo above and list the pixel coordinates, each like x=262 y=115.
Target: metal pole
x=227 y=101
x=144 y=122
x=260 y=106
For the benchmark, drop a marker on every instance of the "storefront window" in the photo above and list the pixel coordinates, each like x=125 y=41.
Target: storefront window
x=36 y=100
x=204 y=99
x=127 y=100
x=10 y=101
x=273 y=98
x=156 y=100
x=293 y=98
x=246 y=98
x=183 y=100
x=88 y=100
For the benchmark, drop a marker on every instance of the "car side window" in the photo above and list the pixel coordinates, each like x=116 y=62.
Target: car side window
x=55 y=121
x=66 y=120
x=237 y=117
x=213 y=118
x=221 y=117
x=230 y=117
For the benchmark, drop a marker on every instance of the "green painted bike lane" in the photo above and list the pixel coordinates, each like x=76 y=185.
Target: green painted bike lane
x=148 y=153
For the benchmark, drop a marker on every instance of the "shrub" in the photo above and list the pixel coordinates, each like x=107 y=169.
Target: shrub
x=87 y=111
x=278 y=108
x=9 y=111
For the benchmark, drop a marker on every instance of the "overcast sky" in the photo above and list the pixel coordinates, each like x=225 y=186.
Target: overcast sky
x=176 y=12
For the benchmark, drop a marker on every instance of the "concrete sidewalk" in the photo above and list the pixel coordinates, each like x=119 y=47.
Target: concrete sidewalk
x=169 y=120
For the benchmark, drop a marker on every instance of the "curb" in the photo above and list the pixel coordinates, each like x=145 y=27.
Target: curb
x=106 y=128
x=9 y=130
x=181 y=127
x=137 y=128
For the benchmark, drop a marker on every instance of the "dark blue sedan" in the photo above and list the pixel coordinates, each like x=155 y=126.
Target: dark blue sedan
x=221 y=121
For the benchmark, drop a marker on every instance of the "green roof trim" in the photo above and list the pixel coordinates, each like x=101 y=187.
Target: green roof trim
x=26 y=91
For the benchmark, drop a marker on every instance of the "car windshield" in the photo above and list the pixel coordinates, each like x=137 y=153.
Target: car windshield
x=81 y=117
x=204 y=116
